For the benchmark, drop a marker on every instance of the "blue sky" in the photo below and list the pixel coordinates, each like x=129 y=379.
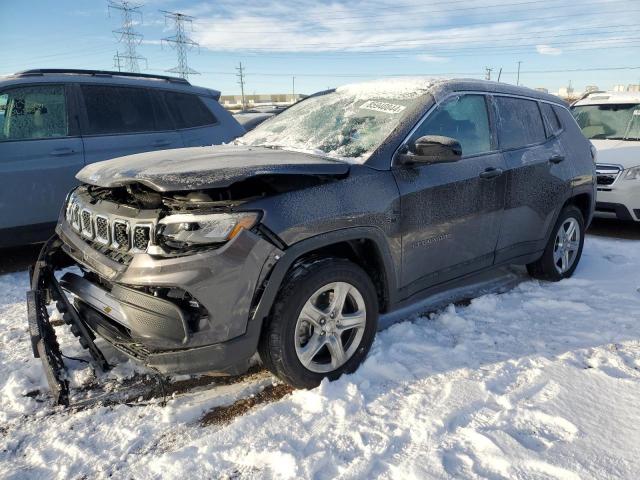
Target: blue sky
x=325 y=44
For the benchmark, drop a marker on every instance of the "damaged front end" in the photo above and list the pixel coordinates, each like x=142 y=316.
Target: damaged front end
x=44 y=289
x=170 y=279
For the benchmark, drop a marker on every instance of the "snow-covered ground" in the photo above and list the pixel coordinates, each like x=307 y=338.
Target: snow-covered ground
x=540 y=382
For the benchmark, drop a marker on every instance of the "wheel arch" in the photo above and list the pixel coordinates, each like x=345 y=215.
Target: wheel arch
x=584 y=202
x=364 y=246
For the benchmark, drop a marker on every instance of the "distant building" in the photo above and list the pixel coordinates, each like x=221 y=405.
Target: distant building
x=542 y=89
x=619 y=88
x=234 y=102
x=633 y=88
x=591 y=88
x=566 y=93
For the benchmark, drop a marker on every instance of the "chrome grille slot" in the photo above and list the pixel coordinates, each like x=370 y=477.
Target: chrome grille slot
x=121 y=234
x=607 y=174
x=102 y=229
x=87 y=223
x=141 y=237
x=75 y=216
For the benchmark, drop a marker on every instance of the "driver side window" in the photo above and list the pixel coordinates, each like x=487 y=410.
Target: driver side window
x=464 y=118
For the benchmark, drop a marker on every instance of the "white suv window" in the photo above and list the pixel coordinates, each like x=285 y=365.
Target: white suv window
x=35 y=112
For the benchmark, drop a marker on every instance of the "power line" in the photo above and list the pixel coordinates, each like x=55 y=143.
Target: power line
x=367 y=28
x=419 y=74
x=401 y=11
x=181 y=42
x=435 y=37
x=127 y=35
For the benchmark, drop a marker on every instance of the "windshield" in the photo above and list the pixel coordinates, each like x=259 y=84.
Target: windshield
x=348 y=123
x=609 y=121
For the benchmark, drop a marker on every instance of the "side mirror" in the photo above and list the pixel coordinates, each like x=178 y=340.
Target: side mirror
x=432 y=149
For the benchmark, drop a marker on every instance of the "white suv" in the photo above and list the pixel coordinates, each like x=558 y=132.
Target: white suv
x=612 y=122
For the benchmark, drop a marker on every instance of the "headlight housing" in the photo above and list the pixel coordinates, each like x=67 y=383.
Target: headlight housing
x=192 y=230
x=632 y=173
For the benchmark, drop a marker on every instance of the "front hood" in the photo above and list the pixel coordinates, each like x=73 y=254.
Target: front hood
x=618 y=152
x=205 y=167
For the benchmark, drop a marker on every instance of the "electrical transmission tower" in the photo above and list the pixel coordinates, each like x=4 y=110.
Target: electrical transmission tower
x=240 y=76
x=127 y=35
x=181 y=42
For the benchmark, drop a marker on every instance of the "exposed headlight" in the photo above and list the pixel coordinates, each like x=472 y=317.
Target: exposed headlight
x=70 y=207
x=183 y=230
x=632 y=173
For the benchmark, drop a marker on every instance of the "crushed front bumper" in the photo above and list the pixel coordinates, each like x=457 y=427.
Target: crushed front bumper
x=44 y=288
x=152 y=330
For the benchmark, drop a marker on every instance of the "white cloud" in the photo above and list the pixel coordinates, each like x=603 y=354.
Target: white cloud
x=548 y=50
x=378 y=26
x=431 y=58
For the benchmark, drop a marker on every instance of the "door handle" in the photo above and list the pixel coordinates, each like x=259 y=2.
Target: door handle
x=491 y=172
x=59 y=152
x=161 y=143
x=556 y=159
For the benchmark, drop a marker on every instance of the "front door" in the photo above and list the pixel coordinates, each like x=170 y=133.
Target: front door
x=40 y=153
x=452 y=212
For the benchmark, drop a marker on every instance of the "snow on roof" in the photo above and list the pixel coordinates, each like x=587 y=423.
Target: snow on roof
x=399 y=88
x=598 y=98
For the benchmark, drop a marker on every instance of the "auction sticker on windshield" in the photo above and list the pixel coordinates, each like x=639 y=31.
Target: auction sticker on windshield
x=382 y=106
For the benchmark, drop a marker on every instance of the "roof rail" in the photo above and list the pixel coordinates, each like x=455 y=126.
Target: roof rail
x=100 y=73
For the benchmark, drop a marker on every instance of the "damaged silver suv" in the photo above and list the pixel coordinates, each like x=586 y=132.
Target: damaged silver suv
x=293 y=240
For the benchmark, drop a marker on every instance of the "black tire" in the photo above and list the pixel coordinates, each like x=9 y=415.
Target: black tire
x=545 y=267
x=277 y=347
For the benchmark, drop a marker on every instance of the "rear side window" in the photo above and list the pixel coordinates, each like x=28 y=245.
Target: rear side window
x=118 y=110
x=188 y=110
x=30 y=113
x=551 y=119
x=519 y=122
x=463 y=118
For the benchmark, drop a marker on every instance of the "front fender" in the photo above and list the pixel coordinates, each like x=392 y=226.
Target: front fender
x=312 y=244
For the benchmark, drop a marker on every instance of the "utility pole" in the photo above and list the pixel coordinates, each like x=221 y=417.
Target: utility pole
x=240 y=76
x=487 y=73
x=518 y=77
x=293 y=88
x=127 y=35
x=181 y=42
x=499 y=74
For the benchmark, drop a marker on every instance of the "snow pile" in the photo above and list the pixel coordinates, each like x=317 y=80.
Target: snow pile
x=540 y=382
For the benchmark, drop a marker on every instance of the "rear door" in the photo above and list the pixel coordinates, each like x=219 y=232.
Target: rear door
x=451 y=212
x=120 y=121
x=536 y=175
x=40 y=153
x=201 y=120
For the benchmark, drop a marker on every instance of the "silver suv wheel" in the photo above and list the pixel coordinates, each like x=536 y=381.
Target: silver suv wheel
x=330 y=327
x=567 y=244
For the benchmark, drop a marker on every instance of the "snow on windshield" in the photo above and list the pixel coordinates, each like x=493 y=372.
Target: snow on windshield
x=348 y=123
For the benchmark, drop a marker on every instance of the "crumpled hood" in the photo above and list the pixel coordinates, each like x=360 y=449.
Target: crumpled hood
x=205 y=167
x=618 y=152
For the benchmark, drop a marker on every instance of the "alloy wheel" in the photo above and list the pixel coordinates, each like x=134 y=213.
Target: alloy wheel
x=330 y=327
x=566 y=245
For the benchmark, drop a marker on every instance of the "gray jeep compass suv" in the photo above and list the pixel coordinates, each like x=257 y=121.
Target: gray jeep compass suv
x=291 y=242
x=53 y=122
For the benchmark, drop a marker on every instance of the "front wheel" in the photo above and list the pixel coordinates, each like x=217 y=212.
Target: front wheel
x=323 y=323
x=564 y=248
